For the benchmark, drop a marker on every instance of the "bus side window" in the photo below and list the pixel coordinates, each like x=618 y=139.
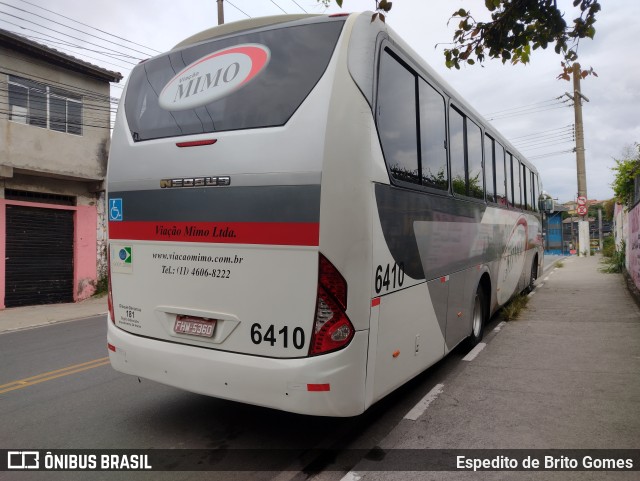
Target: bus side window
x=466 y=155
x=517 y=184
x=474 y=161
x=501 y=184
x=534 y=191
x=433 y=136
x=489 y=164
x=457 y=152
x=397 y=121
x=509 y=178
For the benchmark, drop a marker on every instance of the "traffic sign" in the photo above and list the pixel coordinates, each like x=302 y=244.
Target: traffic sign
x=582 y=200
x=582 y=210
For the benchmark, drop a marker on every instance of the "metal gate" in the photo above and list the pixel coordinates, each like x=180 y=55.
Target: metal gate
x=39 y=251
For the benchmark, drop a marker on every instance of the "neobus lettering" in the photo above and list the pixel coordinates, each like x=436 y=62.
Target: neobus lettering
x=230 y=73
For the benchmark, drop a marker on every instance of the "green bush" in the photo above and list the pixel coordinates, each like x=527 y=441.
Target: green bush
x=614 y=263
x=609 y=247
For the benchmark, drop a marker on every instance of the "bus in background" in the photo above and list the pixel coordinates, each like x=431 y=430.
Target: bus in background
x=303 y=215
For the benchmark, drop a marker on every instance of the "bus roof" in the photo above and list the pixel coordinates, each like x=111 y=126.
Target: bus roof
x=241 y=25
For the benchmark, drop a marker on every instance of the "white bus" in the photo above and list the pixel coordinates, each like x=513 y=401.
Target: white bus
x=303 y=215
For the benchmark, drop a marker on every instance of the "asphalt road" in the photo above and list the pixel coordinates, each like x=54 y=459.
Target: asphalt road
x=69 y=397
x=58 y=391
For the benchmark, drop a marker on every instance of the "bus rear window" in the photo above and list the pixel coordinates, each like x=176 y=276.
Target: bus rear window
x=183 y=92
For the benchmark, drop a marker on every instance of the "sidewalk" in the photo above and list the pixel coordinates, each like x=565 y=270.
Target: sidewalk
x=565 y=375
x=17 y=318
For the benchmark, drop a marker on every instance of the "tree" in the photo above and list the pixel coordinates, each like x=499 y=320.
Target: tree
x=626 y=170
x=516 y=28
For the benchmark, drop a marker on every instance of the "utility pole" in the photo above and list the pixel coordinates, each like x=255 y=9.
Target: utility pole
x=600 y=236
x=583 y=226
x=220 y=12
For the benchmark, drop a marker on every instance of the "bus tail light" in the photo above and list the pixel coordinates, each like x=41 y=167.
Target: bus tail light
x=109 y=290
x=332 y=329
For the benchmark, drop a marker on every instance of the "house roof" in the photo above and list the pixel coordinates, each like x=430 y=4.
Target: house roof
x=19 y=43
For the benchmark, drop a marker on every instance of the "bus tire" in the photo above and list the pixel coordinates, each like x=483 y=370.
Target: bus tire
x=478 y=318
x=533 y=276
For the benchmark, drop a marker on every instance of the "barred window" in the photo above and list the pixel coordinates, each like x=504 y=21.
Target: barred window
x=43 y=106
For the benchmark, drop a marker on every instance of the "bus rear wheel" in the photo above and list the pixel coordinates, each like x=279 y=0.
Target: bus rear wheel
x=478 y=318
x=533 y=277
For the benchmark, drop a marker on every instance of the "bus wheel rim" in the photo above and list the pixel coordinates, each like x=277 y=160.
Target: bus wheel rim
x=477 y=317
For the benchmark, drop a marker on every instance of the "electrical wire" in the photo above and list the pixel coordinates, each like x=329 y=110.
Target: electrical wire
x=523 y=106
x=90 y=94
x=89 y=26
x=241 y=11
x=294 y=1
x=545 y=146
x=68 y=35
x=59 y=42
x=283 y=11
x=529 y=112
x=552 y=154
x=72 y=28
x=546 y=138
x=542 y=132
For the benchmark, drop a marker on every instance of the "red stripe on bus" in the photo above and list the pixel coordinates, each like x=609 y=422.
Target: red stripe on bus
x=266 y=233
x=375 y=302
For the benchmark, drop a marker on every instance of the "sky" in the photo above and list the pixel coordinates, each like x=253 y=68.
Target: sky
x=521 y=100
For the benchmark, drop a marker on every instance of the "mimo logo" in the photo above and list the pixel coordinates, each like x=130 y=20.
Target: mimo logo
x=214 y=76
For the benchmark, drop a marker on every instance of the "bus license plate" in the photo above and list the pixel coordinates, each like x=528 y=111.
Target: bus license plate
x=194 y=326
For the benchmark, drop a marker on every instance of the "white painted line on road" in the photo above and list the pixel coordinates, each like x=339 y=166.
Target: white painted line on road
x=422 y=406
x=546 y=278
x=351 y=476
x=474 y=352
x=540 y=285
x=500 y=326
x=531 y=294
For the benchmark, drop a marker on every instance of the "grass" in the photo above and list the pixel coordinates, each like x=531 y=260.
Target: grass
x=613 y=260
x=514 y=308
x=560 y=264
x=613 y=265
x=101 y=287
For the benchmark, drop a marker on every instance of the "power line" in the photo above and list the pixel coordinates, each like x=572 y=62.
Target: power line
x=89 y=26
x=54 y=119
x=58 y=42
x=68 y=35
x=534 y=111
x=542 y=132
x=294 y=1
x=552 y=154
x=548 y=145
x=523 y=106
x=544 y=138
x=72 y=28
x=283 y=11
x=72 y=88
x=241 y=11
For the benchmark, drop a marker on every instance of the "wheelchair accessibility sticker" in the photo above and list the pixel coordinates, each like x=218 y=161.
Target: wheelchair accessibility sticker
x=115 y=209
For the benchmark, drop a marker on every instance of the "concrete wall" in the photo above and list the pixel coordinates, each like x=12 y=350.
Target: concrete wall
x=633 y=245
x=34 y=149
x=35 y=159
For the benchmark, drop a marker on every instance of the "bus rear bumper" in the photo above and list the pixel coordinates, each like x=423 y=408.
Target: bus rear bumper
x=328 y=385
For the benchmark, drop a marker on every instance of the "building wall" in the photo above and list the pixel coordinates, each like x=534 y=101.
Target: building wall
x=633 y=245
x=41 y=160
x=34 y=149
